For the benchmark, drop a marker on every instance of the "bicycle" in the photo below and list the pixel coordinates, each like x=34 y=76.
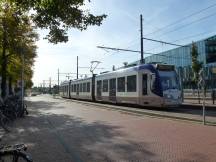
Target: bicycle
x=14 y=153
x=5 y=122
x=14 y=103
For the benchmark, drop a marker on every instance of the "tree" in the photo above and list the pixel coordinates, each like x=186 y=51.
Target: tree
x=196 y=66
x=59 y=16
x=17 y=38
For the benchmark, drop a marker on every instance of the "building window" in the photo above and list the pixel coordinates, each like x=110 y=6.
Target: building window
x=88 y=87
x=105 y=85
x=131 y=83
x=121 y=84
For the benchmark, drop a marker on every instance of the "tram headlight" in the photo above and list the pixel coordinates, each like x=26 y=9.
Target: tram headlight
x=167 y=96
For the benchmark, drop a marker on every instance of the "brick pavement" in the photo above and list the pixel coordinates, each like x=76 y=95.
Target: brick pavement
x=64 y=131
x=185 y=112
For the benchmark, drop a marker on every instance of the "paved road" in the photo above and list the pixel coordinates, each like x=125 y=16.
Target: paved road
x=65 y=131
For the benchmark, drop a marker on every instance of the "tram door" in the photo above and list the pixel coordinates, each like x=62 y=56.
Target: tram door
x=144 y=84
x=99 y=88
x=112 y=89
x=77 y=90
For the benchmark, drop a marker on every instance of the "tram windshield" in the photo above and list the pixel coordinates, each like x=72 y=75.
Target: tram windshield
x=169 y=80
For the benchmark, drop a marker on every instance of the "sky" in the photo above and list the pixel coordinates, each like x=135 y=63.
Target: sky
x=175 y=21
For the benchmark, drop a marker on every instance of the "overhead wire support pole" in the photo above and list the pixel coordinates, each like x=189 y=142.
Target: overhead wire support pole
x=141 y=40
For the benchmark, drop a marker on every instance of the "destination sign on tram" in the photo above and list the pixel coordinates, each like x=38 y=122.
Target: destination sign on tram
x=165 y=67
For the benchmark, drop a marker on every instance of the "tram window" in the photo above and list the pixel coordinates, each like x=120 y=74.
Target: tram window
x=112 y=85
x=84 y=87
x=88 y=87
x=105 y=85
x=152 y=82
x=80 y=87
x=75 y=88
x=144 y=84
x=71 y=88
x=99 y=84
x=121 y=84
x=131 y=83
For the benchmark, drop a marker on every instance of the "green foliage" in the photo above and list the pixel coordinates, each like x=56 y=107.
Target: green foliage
x=17 y=38
x=58 y=16
x=196 y=65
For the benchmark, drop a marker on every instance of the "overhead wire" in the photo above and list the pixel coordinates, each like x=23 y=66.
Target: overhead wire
x=188 y=24
x=177 y=22
x=181 y=19
x=191 y=36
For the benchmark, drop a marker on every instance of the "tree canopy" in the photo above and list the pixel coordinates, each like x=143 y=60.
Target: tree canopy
x=18 y=20
x=196 y=65
x=58 y=16
x=17 y=38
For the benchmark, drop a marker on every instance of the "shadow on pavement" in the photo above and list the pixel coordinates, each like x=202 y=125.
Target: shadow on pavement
x=62 y=137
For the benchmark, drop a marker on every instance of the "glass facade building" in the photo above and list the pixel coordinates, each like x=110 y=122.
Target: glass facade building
x=181 y=58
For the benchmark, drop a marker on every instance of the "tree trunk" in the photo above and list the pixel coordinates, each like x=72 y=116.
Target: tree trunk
x=4 y=63
x=10 y=86
x=4 y=74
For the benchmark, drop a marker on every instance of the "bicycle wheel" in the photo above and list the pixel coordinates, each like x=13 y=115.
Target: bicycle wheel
x=15 y=157
x=6 y=123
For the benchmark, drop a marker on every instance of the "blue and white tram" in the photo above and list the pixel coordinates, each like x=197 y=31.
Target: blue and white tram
x=64 y=89
x=81 y=89
x=146 y=85
x=77 y=89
